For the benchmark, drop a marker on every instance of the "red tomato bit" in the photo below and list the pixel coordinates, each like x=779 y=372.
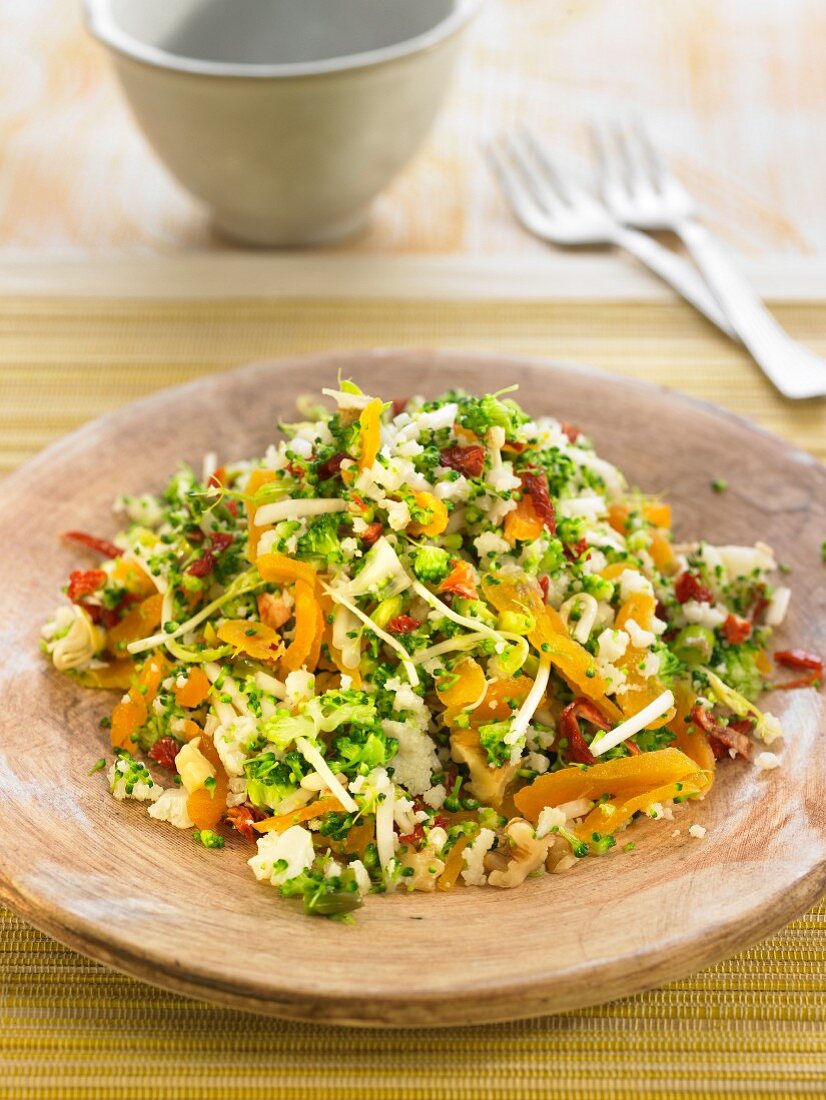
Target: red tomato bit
x=371 y=533
x=219 y=541
x=721 y=737
x=331 y=467
x=736 y=630
x=575 y=551
x=84 y=583
x=578 y=750
x=242 y=818
x=810 y=663
x=798 y=658
x=536 y=486
x=573 y=433
x=469 y=461
x=688 y=586
x=403 y=624
x=101 y=546
x=164 y=751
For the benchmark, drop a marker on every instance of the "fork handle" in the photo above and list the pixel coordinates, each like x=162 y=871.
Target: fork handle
x=794 y=370
x=675 y=271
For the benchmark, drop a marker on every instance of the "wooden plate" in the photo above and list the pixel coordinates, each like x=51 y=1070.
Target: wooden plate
x=141 y=896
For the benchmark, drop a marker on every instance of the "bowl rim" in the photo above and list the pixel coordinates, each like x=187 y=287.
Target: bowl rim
x=101 y=23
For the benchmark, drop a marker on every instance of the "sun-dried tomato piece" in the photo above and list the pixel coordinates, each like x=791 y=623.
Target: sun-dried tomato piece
x=688 y=586
x=331 y=467
x=371 y=533
x=111 y=616
x=399 y=405
x=164 y=751
x=403 y=624
x=798 y=658
x=101 y=546
x=84 y=583
x=759 y=604
x=203 y=566
x=581 y=708
x=221 y=541
x=536 y=486
x=723 y=738
x=217 y=479
x=218 y=543
x=575 y=550
x=573 y=433
x=469 y=461
x=232 y=507
x=807 y=680
x=242 y=819
x=413 y=839
x=544 y=584
x=736 y=630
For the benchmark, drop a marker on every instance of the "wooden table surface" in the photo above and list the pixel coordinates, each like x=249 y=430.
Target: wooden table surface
x=733 y=89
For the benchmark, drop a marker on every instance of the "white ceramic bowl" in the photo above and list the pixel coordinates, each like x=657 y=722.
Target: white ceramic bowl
x=287 y=117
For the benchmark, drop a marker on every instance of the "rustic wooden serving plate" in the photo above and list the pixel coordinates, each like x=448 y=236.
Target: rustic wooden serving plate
x=143 y=897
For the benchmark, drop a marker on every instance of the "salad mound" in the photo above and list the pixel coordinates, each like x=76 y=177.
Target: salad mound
x=419 y=645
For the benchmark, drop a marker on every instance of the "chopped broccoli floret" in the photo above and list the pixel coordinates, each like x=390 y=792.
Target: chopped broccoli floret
x=208 y=838
x=492 y=738
x=322 y=714
x=651 y=740
x=270 y=781
x=364 y=750
x=740 y=669
x=481 y=414
x=321 y=540
x=431 y=564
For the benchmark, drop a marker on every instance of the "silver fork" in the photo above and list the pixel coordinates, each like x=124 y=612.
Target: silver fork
x=639 y=191
x=559 y=211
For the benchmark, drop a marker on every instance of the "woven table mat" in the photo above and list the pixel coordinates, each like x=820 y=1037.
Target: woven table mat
x=754 y=1026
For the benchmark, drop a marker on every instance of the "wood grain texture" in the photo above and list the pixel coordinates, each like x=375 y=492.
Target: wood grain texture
x=734 y=89
x=101 y=877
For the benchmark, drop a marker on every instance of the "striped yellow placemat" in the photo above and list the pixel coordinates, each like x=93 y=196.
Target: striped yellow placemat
x=752 y=1027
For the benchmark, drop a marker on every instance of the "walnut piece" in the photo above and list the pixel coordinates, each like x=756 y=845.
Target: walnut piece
x=519 y=853
x=489 y=785
x=426 y=870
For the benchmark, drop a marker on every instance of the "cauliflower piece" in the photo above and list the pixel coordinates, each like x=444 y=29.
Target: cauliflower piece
x=611 y=645
x=473 y=857
x=130 y=778
x=416 y=760
x=171 y=807
x=282 y=856
x=231 y=743
x=766 y=761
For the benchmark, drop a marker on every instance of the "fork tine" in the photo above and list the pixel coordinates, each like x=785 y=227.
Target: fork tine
x=610 y=168
x=516 y=192
x=633 y=158
x=542 y=189
x=543 y=159
x=656 y=168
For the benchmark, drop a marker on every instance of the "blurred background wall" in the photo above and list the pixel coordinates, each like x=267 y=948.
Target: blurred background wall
x=734 y=91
